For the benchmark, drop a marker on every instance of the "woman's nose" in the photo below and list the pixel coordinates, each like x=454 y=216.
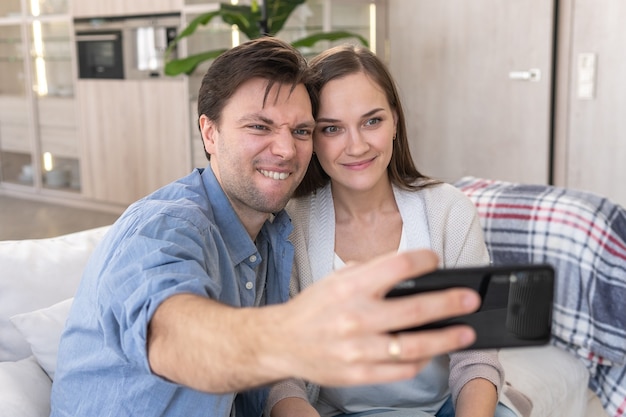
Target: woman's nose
x=356 y=144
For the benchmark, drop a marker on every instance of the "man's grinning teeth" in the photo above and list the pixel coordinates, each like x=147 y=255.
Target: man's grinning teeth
x=274 y=175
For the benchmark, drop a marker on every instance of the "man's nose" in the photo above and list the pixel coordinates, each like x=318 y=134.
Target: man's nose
x=283 y=144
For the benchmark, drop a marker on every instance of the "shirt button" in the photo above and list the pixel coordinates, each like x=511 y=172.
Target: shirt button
x=252 y=258
x=249 y=285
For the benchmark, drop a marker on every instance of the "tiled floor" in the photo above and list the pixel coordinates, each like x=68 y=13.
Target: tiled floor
x=26 y=219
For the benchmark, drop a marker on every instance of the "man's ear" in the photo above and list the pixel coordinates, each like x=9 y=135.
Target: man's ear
x=209 y=132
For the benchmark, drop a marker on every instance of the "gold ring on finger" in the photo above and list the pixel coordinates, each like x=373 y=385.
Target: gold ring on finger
x=393 y=348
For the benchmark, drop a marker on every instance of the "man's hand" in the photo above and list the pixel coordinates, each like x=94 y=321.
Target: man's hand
x=337 y=331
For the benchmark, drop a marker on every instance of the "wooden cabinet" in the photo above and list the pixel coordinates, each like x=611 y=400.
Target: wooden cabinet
x=198 y=155
x=89 y=8
x=136 y=137
x=57 y=127
x=14 y=124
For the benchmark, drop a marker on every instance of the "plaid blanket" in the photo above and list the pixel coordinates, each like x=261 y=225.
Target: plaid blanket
x=584 y=237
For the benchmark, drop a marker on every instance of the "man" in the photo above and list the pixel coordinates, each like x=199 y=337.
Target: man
x=181 y=310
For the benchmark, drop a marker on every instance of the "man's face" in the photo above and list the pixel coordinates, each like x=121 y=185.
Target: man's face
x=260 y=153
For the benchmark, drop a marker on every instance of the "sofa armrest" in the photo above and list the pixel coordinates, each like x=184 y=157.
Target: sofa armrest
x=36 y=273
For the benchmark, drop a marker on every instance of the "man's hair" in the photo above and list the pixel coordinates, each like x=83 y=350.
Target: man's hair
x=268 y=58
x=339 y=62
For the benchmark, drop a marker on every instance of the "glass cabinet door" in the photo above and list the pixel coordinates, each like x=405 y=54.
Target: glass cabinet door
x=52 y=67
x=47 y=7
x=51 y=55
x=10 y=8
x=15 y=144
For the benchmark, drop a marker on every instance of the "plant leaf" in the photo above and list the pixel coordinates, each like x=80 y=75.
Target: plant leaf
x=246 y=24
x=247 y=19
x=243 y=17
x=202 y=19
x=327 y=36
x=278 y=11
x=189 y=64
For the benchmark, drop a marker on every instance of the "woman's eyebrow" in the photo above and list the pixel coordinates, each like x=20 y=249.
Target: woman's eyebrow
x=373 y=112
x=326 y=120
x=332 y=120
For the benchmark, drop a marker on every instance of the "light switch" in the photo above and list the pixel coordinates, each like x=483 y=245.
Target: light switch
x=586 y=75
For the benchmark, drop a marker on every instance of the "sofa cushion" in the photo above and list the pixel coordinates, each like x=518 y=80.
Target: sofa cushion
x=24 y=389
x=35 y=274
x=42 y=330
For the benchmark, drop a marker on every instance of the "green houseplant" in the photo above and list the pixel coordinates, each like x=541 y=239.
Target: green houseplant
x=254 y=20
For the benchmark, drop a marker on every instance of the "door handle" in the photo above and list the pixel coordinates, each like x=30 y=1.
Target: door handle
x=96 y=38
x=533 y=74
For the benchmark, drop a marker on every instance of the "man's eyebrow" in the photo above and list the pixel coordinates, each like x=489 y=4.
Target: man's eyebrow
x=310 y=124
x=256 y=118
x=260 y=118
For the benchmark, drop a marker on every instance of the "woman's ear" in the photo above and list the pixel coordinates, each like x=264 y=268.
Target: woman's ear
x=208 y=130
x=395 y=124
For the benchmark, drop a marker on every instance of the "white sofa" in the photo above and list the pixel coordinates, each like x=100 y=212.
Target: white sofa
x=39 y=277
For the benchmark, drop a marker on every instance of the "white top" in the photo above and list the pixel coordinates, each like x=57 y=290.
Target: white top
x=338 y=263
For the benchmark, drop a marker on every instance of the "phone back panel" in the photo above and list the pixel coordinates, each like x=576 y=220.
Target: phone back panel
x=516 y=307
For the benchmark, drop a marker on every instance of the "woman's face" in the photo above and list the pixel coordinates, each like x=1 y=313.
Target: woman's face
x=353 y=139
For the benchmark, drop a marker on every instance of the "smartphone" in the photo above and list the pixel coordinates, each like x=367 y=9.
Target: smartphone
x=516 y=302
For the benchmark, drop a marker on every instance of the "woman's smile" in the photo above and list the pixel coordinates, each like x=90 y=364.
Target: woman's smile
x=359 y=165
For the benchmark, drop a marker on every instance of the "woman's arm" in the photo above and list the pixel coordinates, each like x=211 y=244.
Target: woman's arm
x=289 y=398
x=478 y=398
x=476 y=376
x=293 y=407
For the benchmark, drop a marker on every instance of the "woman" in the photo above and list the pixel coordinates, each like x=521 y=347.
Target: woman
x=362 y=197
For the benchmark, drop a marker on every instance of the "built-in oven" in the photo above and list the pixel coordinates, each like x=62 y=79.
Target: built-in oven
x=100 y=53
x=131 y=47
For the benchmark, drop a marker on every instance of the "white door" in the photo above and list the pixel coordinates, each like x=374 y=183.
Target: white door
x=475 y=78
x=595 y=155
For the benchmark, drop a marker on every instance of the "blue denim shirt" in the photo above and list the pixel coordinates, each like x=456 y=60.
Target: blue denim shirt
x=184 y=238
